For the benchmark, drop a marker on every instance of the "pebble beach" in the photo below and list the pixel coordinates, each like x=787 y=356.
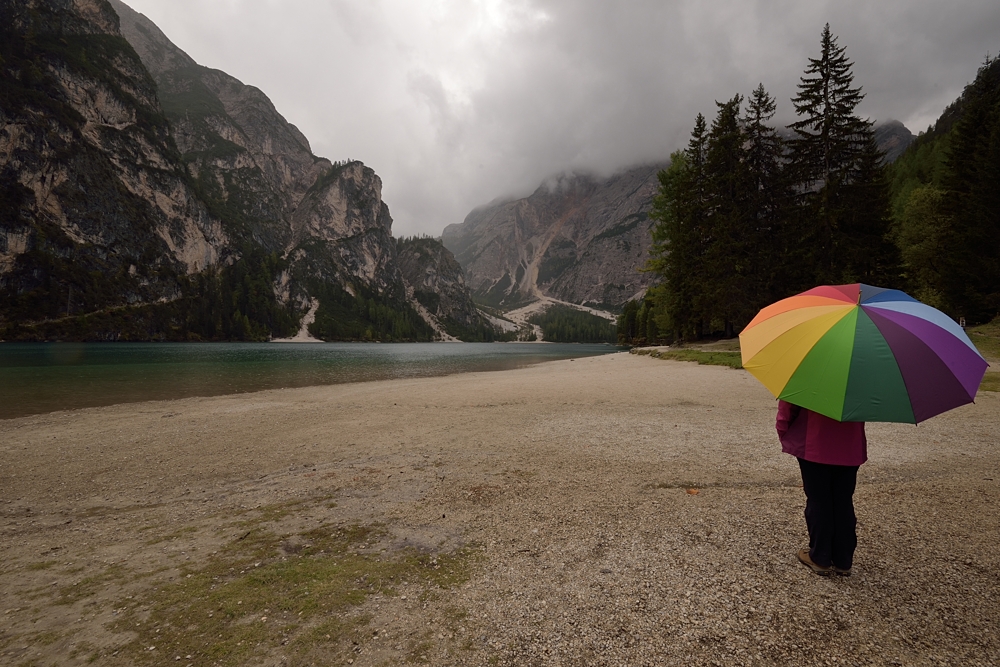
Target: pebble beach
x=613 y=510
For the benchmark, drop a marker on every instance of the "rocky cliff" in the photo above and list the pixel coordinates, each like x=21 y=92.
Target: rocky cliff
x=893 y=138
x=577 y=238
x=96 y=200
x=437 y=282
x=146 y=196
x=257 y=169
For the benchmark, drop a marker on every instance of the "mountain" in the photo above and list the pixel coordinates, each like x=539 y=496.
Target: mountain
x=94 y=194
x=255 y=168
x=893 y=139
x=146 y=196
x=436 y=281
x=578 y=238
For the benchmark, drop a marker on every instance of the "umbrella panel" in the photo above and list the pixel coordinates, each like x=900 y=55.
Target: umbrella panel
x=932 y=386
x=849 y=293
x=792 y=303
x=754 y=340
x=869 y=294
x=924 y=312
x=778 y=361
x=958 y=354
x=819 y=381
x=876 y=389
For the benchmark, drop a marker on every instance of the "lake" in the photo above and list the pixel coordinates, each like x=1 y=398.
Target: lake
x=43 y=377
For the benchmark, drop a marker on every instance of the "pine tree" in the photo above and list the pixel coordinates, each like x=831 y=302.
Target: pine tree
x=828 y=138
x=681 y=211
x=830 y=152
x=626 y=323
x=918 y=233
x=868 y=253
x=769 y=203
x=728 y=263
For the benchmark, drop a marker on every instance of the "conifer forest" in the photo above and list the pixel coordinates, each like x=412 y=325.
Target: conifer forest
x=747 y=214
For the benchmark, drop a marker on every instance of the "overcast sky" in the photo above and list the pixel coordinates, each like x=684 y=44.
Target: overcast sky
x=457 y=102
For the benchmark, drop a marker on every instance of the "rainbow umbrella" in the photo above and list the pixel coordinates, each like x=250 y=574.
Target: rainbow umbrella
x=862 y=353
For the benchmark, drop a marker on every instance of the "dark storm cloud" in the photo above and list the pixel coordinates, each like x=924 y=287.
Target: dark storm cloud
x=455 y=102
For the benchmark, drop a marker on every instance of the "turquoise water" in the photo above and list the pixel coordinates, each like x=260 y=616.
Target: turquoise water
x=43 y=377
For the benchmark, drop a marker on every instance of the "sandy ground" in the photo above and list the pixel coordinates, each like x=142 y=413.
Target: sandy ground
x=567 y=487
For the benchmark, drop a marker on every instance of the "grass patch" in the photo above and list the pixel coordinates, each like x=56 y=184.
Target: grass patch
x=417 y=650
x=187 y=530
x=708 y=358
x=88 y=586
x=43 y=565
x=44 y=638
x=987 y=338
x=298 y=593
x=991 y=382
x=85 y=647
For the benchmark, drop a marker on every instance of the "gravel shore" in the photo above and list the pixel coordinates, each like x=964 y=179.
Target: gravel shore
x=615 y=510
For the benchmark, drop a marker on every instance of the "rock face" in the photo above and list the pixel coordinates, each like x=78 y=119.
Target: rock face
x=577 y=238
x=92 y=185
x=258 y=169
x=893 y=138
x=438 y=284
x=132 y=175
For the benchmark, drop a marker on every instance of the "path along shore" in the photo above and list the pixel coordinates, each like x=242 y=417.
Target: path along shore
x=609 y=510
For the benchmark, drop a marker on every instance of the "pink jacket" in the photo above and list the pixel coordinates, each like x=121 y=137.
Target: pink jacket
x=811 y=436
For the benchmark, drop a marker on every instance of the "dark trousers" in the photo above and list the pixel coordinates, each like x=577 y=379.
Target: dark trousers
x=830 y=512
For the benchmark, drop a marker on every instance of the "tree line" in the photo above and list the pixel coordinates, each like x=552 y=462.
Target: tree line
x=563 y=324
x=946 y=204
x=746 y=215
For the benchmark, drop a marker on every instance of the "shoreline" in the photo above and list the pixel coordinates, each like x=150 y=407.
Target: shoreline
x=41 y=379
x=554 y=495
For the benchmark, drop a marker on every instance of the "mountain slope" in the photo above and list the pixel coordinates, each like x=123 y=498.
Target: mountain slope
x=893 y=138
x=577 y=238
x=147 y=197
x=94 y=197
x=946 y=207
x=437 y=282
x=258 y=170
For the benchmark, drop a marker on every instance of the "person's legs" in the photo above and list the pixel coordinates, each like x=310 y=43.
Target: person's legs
x=845 y=536
x=817 y=483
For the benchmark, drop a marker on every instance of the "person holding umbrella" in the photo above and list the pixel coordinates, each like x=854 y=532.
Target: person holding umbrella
x=829 y=453
x=837 y=356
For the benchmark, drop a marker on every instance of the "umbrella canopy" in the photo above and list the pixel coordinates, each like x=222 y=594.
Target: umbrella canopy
x=862 y=353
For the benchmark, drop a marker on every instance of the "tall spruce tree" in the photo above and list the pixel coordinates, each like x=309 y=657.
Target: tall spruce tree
x=837 y=172
x=868 y=252
x=680 y=210
x=729 y=262
x=768 y=203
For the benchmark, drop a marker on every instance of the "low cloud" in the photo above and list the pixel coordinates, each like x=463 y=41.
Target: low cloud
x=455 y=102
